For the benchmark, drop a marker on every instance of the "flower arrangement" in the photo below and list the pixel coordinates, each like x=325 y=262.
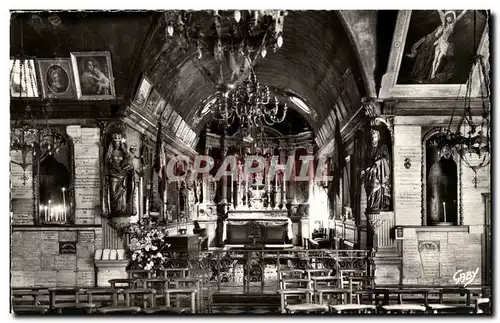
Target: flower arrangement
x=146 y=244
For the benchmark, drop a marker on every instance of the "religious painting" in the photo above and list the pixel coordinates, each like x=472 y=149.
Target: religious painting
x=166 y=114
x=439 y=46
x=93 y=75
x=142 y=93
x=23 y=82
x=56 y=77
x=153 y=100
x=177 y=124
x=432 y=51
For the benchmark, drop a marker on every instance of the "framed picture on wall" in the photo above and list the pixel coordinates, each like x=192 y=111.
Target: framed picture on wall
x=56 y=77
x=425 y=61
x=23 y=83
x=142 y=93
x=153 y=100
x=93 y=75
x=166 y=114
x=177 y=124
x=160 y=107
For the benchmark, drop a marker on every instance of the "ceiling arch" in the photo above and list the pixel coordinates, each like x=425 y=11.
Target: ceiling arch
x=313 y=62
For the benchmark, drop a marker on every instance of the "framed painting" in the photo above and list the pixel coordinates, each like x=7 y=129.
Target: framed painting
x=160 y=107
x=23 y=83
x=152 y=101
x=177 y=123
x=432 y=50
x=171 y=120
x=142 y=93
x=93 y=75
x=166 y=114
x=56 y=78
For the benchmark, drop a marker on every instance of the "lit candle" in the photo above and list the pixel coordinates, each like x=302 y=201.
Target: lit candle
x=50 y=210
x=47 y=218
x=64 y=201
x=444 y=210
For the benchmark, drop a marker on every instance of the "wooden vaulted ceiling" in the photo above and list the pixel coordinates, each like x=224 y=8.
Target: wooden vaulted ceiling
x=316 y=55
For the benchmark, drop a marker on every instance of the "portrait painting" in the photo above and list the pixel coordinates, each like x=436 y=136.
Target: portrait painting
x=93 y=75
x=142 y=93
x=152 y=101
x=166 y=114
x=56 y=78
x=440 y=45
x=177 y=123
x=23 y=83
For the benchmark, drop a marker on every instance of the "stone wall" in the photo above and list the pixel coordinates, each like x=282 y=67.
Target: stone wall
x=54 y=256
x=433 y=257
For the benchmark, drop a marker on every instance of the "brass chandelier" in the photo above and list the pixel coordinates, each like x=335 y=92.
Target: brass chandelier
x=244 y=32
x=251 y=104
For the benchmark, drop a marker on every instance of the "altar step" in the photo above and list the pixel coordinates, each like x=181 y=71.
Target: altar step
x=225 y=303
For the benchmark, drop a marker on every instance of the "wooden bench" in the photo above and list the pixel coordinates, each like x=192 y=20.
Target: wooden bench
x=145 y=295
x=128 y=282
x=29 y=298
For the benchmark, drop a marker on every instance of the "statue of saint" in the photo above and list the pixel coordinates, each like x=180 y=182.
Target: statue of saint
x=442 y=189
x=377 y=175
x=120 y=175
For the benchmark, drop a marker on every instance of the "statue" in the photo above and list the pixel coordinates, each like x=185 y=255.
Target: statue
x=442 y=189
x=377 y=175
x=120 y=176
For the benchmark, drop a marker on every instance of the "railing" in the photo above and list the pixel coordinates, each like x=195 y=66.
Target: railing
x=256 y=270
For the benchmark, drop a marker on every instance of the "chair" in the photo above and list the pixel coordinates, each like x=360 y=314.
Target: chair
x=105 y=295
x=145 y=297
x=353 y=309
x=328 y=285
x=306 y=307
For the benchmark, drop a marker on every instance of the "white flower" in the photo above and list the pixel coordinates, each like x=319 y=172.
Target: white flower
x=154 y=248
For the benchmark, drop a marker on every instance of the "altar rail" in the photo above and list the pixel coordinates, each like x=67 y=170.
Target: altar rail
x=256 y=270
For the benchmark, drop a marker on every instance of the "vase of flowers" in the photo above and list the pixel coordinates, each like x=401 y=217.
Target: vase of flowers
x=147 y=244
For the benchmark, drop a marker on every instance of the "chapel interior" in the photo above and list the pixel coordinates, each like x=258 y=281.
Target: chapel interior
x=381 y=118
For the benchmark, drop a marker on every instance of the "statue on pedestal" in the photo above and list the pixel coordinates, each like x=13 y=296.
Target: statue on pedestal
x=120 y=178
x=377 y=175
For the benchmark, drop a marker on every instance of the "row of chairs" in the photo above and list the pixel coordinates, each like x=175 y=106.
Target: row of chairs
x=351 y=292
x=143 y=291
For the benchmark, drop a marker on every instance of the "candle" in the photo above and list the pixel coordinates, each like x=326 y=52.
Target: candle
x=41 y=212
x=47 y=218
x=444 y=210
x=64 y=201
x=50 y=210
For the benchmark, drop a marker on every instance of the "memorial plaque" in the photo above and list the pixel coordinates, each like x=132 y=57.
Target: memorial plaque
x=48 y=262
x=84 y=216
x=21 y=180
x=66 y=278
x=32 y=263
x=75 y=132
x=28 y=278
x=67 y=236
x=86 y=236
x=85 y=264
x=66 y=262
x=46 y=278
x=50 y=243
x=85 y=278
x=16 y=263
x=16 y=279
x=90 y=134
x=85 y=250
x=86 y=199
x=67 y=247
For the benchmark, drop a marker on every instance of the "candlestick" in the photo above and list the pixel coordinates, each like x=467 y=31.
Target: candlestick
x=64 y=201
x=444 y=209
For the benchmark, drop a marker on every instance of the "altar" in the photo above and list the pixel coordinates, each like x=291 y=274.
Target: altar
x=262 y=228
